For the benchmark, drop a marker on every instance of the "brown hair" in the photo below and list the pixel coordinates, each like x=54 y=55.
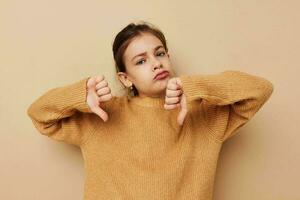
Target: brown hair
x=125 y=36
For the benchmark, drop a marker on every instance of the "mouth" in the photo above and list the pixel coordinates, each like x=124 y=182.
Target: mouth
x=162 y=75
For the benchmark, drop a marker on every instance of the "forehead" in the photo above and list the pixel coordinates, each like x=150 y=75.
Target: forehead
x=142 y=43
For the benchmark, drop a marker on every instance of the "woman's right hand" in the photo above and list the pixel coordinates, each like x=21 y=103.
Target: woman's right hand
x=97 y=92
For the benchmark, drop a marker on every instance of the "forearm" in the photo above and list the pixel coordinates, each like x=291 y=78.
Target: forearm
x=60 y=102
x=226 y=87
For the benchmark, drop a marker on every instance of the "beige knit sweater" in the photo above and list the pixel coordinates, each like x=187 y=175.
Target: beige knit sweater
x=141 y=152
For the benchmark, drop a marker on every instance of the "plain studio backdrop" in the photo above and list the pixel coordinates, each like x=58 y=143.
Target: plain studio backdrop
x=51 y=43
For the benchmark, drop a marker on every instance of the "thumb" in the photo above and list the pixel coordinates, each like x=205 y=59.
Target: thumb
x=183 y=110
x=101 y=113
x=93 y=99
x=181 y=116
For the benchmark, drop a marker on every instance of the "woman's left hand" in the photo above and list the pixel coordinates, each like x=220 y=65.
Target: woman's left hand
x=176 y=98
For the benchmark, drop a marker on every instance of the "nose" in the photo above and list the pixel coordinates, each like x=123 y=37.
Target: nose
x=156 y=64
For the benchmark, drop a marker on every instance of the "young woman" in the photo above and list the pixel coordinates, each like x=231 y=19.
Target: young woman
x=161 y=140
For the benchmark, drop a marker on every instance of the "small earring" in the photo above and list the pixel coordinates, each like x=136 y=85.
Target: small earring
x=131 y=92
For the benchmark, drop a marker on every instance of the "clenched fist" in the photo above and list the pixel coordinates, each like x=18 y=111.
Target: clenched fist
x=176 y=98
x=97 y=92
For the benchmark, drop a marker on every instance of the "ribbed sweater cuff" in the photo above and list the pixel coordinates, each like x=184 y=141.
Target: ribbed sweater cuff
x=196 y=87
x=79 y=100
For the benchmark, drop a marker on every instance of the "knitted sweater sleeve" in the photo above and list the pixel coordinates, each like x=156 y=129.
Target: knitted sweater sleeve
x=59 y=113
x=226 y=100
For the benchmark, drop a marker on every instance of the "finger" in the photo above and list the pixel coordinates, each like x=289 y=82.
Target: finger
x=178 y=81
x=172 y=80
x=172 y=100
x=173 y=86
x=99 y=78
x=91 y=83
x=171 y=106
x=105 y=97
x=103 y=91
x=173 y=93
x=101 y=84
x=175 y=81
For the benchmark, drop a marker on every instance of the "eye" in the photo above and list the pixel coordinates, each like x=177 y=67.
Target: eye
x=161 y=53
x=138 y=63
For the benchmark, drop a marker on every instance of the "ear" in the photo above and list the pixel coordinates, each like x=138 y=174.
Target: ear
x=123 y=77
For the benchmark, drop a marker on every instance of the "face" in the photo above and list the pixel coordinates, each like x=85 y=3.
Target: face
x=144 y=58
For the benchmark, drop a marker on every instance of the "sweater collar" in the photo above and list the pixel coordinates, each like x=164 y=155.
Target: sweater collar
x=157 y=102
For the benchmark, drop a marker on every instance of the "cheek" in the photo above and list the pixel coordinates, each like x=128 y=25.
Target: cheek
x=144 y=81
x=146 y=76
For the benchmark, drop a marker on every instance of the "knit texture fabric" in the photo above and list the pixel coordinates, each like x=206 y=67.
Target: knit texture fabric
x=141 y=152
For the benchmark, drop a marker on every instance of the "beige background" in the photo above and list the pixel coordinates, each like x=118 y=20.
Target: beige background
x=50 y=43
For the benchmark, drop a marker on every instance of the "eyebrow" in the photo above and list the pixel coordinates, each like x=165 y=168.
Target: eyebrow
x=144 y=53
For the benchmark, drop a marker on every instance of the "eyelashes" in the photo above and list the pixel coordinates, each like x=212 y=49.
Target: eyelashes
x=139 y=62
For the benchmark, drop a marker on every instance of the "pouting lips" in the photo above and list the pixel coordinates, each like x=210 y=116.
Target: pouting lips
x=162 y=75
